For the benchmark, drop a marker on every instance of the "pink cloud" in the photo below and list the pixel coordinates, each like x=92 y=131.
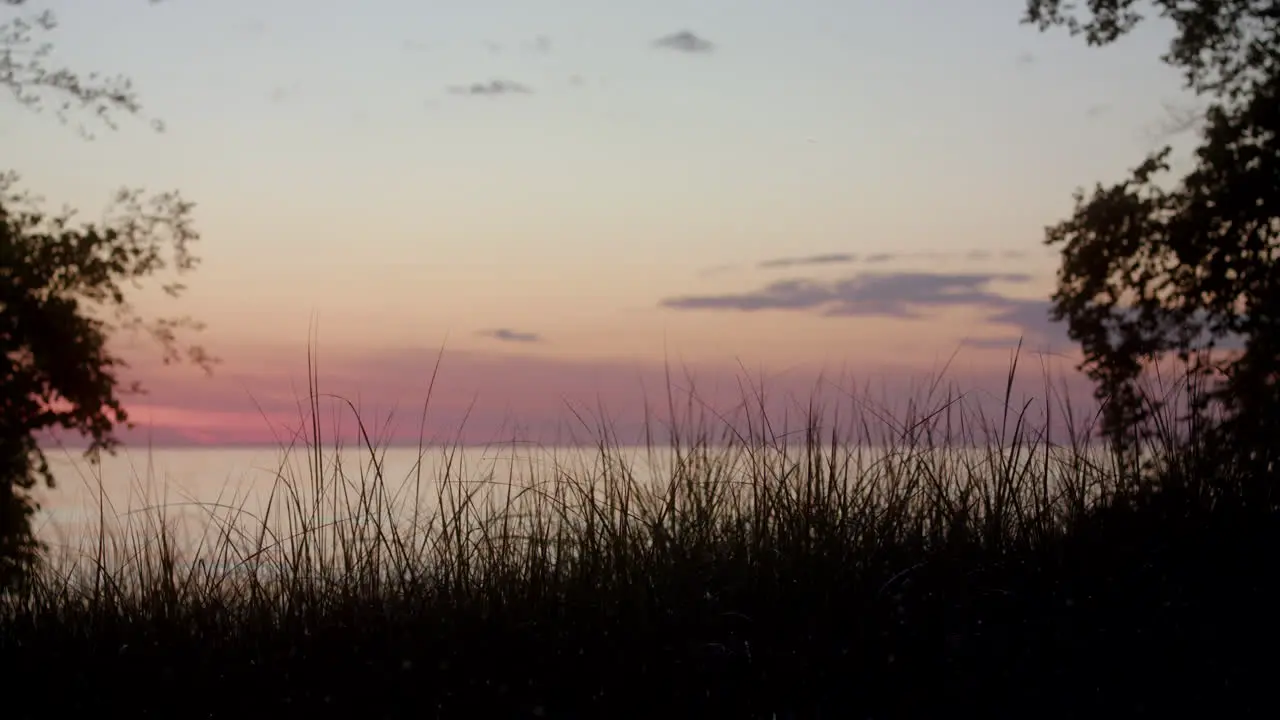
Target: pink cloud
x=491 y=397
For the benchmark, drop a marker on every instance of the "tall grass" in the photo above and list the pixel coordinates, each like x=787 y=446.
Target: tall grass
x=945 y=561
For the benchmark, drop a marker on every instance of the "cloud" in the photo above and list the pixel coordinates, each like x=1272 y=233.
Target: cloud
x=900 y=295
x=905 y=296
x=843 y=258
x=884 y=257
x=714 y=270
x=493 y=87
x=1097 y=110
x=1030 y=320
x=994 y=343
x=685 y=41
x=261 y=397
x=281 y=93
x=509 y=335
x=825 y=259
x=541 y=45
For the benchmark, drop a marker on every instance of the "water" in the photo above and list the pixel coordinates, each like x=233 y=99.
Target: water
x=203 y=490
x=189 y=483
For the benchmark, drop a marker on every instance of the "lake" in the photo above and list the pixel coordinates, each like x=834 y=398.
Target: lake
x=202 y=489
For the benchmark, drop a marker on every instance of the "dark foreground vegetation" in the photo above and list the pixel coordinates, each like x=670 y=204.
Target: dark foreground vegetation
x=777 y=574
x=772 y=574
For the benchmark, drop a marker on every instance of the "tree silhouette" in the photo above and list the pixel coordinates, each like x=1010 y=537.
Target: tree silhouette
x=64 y=291
x=1155 y=265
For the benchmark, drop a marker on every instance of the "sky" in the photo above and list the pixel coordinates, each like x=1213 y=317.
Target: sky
x=568 y=197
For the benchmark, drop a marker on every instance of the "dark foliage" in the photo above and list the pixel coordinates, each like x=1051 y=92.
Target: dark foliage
x=763 y=580
x=1154 y=265
x=63 y=291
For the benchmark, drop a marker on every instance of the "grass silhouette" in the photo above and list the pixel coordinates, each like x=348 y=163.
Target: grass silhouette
x=941 y=562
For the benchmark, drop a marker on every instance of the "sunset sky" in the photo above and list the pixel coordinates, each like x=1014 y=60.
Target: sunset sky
x=564 y=193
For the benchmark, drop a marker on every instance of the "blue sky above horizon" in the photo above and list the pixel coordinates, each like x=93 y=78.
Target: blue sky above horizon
x=578 y=186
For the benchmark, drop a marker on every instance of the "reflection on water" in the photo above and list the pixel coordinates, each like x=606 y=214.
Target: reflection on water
x=191 y=483
x=202 y=494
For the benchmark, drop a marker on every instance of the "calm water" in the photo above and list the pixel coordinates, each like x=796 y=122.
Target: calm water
x=188 y=482
x=199 y=488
